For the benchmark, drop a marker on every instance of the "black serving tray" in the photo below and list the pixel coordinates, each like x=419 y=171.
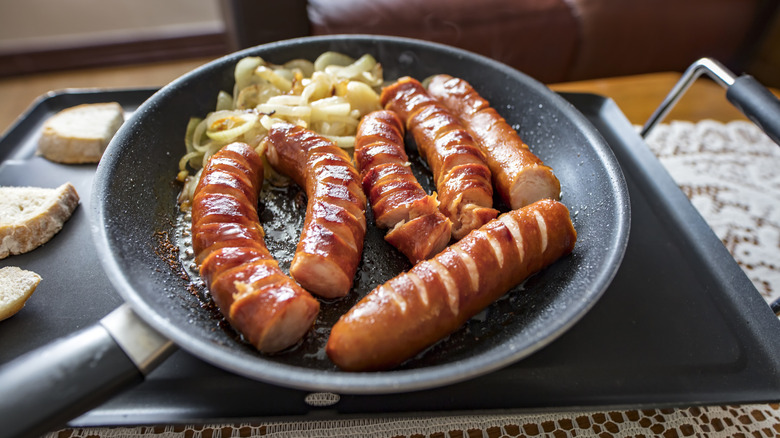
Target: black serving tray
x=680 y=325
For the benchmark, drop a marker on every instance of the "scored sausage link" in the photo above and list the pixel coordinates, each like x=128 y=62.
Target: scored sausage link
x=519 y=176
x=417 y=228
x=263 y=304
x=415 y=309
x=331 y=243
x=462 y=178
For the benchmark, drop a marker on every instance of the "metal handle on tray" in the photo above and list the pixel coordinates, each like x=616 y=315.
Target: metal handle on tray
x=754 y=100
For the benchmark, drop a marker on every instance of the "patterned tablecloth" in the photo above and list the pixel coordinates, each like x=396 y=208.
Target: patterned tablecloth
x=731 y=173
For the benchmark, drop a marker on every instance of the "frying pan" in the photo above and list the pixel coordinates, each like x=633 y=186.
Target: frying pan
x=134 y=222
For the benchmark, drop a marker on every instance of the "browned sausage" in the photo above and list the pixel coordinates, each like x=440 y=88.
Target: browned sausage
x=519 y=176
x=263 y=304
x=417 y=308
x=462 y=178
x=417 y=228
x=331 y=242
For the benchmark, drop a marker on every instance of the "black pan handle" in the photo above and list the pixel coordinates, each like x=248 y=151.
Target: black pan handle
x=757 y=103
x=43 y=389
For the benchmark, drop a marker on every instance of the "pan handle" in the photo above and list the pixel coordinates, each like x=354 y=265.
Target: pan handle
x=45 y=388
x=754 y=100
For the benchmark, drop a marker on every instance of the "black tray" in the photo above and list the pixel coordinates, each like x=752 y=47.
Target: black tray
x=680 y=325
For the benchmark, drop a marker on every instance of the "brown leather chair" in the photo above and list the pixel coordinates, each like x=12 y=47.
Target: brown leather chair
x=538 y=37
x=551 y=40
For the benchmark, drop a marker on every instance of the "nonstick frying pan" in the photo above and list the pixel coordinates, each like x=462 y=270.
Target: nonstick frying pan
x=135 y=216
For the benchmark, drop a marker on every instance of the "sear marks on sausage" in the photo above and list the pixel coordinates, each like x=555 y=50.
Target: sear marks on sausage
x=415 y=309
x=331 y=243
x=463 y=180
x=263 y=304
x=519 y=176
x=416 y=226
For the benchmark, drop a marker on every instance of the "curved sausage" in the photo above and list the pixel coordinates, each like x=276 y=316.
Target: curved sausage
x=331 y=242
x=415 y=309
x=417 y=228
x=520 y=177
x=462 y=178
x=263 y=304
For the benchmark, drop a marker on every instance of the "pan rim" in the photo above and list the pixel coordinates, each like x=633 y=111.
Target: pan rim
x=370 y=382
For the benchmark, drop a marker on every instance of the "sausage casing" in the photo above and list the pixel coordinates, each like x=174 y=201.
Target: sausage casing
x=415 y=309
x=519 y=176
x=463 y=180
x=331 y=243
x=417 y=228
x=263 y=304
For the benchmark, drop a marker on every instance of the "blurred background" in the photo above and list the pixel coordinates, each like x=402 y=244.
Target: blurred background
x=551 y=40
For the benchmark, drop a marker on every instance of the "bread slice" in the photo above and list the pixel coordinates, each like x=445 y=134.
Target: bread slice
x=16 y=286
x=30 y=216
x=81 y=133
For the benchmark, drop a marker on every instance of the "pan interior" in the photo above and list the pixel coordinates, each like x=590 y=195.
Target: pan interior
x=136 y=215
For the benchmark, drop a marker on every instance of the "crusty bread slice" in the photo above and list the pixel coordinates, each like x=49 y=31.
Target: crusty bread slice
x=81 y=133
x=30 y=216
x=16 y=286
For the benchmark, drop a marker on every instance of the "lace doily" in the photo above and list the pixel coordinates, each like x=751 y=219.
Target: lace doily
x=731 y=173
x=721 y=421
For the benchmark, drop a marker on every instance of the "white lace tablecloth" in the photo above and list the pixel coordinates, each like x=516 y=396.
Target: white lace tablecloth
x=731 y=173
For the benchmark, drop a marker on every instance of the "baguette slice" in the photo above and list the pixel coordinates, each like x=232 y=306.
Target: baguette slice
x=16 y=286
x=81 y=133
x=30 y=216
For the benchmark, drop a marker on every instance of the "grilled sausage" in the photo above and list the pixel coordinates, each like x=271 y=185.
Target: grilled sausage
x=263 y=304
x=519 y=176
x=331 y=242
x=462 y=178
x=417 y=308
x=417 y=228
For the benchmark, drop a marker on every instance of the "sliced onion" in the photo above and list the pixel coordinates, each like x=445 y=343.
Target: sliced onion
x=363 y=64
x=198 y=135
x=328 y=96
x=268 y=122
x=284 y=73
x=298 y=112
x=286 y=99
x=320 y=86
x=254 y=95
x=224 y=126
x=188 y=136
x=342 y=141
x=362 y=97
x=274 y=78
x=213 y=148
x=330 y=111
x=185 y=160
x=244 y=70
x=224 y=101
x=331 y=58
x=304 y=66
